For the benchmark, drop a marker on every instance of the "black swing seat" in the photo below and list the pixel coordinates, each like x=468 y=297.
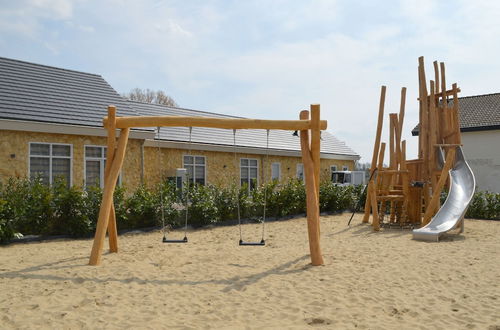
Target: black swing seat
x=166 y=240
x=261 y=243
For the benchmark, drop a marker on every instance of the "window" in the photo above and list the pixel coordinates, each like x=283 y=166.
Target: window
x=196 y=168
x=300 y=171
x=275 y=171
x=50 y=161
x=345 y=168
x=95 y=164
x=248 y=172
x=333 y=168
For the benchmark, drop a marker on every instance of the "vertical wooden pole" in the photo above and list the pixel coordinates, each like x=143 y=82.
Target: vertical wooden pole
x=402 y=111
x=443 y=84
x=433 y=129
x=376 y=188
x=424 y=128
x=456 y=118
x=313 y=225
x=392 y=159
x=376 y=148
x=436 y=76
x=316 y=144
x=107 y=198
x=111 y=127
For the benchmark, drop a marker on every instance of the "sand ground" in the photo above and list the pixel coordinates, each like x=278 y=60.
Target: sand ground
x=370 y=280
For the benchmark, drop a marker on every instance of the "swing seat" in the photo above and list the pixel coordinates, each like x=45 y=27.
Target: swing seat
x=261 y=243
x=166 y=240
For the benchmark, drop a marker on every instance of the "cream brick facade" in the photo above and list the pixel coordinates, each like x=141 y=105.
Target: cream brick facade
x=14 y=154
x=221 y=167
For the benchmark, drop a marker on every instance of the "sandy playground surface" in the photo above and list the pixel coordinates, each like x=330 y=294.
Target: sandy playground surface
x=369 y=281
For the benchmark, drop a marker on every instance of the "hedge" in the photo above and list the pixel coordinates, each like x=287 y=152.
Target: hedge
x=29 y=207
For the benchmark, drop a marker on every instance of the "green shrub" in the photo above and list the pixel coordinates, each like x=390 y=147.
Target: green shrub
x=6 y=227
x=70 y=214
x=141 y=209
x=203 y=208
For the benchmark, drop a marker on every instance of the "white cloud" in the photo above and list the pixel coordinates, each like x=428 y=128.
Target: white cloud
x=58 y=9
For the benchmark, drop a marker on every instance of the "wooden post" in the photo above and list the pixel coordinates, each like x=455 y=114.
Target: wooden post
x=393 y=158
x=450 y=158
x=316 y=144
x=433 y=140
x=313 y=225
x=111 y=127
x=436 y=76
x=376 y=148
x=107 y=198
x=402 y=110
x=456 y=118
x=375 y=189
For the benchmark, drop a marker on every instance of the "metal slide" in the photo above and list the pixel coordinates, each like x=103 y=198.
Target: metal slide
x=451 y=214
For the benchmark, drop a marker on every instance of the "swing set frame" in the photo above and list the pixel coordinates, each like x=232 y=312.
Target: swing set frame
x=309 y=125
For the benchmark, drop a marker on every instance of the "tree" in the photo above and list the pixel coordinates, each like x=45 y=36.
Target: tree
x=150 y=96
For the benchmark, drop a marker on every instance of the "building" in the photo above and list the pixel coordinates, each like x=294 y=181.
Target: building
x=51 y=126
x=480 y=128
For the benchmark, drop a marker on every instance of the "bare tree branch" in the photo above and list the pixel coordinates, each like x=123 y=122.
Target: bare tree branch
x=150 y=96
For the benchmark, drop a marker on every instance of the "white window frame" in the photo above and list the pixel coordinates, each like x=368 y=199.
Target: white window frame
x=249 y=178
x=102 y=162
x=50 y=157
x=333 y=168
x=300 y=165
x=345 y=168
x=193 y=179
x=279 y=171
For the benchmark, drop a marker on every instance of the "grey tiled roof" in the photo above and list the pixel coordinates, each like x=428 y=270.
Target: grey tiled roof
x=278 y=139
x=479 y=112
x=42 y=93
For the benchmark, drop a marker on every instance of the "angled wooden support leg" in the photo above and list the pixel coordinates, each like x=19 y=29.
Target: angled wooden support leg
x=313 y=226
x=110 y=154
x=375 y=150
x=107 y=198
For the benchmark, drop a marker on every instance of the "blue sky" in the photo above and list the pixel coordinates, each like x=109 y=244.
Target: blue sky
x=266 y=59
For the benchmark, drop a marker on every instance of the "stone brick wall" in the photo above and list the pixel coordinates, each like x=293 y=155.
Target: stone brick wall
x=14 y=154
x=221 y=168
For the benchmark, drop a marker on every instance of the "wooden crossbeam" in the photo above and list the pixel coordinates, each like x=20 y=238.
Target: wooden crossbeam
x=225 y=123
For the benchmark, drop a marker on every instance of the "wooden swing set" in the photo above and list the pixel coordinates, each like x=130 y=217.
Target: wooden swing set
x=410 y=189
x=309 y=125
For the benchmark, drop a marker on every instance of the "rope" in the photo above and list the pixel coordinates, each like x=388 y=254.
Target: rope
x=237 y=185
x=160 y=162
x=188 y=183
x=265 y=188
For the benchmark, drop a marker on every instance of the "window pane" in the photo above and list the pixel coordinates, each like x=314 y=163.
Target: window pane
x=253 y=172
x=200 y=160
x=93 y=152
x=188 y=160
x=39 y=167
x=244 y=162
x=40 y=149
x=275 y=171
x=244 y=173
x=199 y=172
x=59 y=150
x=253 y=184
x=92 y=173
x=253 y=162
x=189 y=171
x=200 y=181
x=61 y=169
